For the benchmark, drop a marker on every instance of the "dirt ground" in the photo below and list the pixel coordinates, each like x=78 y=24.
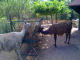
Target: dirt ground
x=49 y=52
x=63 y=51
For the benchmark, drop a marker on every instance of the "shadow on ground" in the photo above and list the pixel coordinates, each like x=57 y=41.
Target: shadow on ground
x=63 y=51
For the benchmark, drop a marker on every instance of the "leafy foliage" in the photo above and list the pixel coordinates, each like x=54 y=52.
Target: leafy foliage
x=4 y=25
x=13 y=8
x=50 y=7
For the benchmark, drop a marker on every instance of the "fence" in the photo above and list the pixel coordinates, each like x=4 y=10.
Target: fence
x=17 y=26
x=5 y=26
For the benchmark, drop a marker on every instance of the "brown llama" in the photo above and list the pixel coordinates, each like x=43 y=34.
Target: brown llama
x=58 y=29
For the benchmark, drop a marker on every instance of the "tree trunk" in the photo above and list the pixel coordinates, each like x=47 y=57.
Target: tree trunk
x=47 y=19
x=56 y=18
x=11 y=24
x=51 y=19
x=18 y=15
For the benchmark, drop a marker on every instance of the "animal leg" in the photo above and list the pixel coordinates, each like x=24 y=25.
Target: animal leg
x=55 y=37
x=69 y=38
x=18 y=55
x=18 y=52
x=66 y=38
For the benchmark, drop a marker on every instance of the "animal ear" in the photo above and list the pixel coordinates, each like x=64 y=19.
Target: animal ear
x=24 y=23
x=37 y=23
x=27 y=24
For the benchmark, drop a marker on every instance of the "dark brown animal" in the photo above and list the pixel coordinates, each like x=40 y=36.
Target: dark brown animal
x=58 y=29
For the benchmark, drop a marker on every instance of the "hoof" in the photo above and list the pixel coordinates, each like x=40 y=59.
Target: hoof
x=55 y=46
x=68 y=43
x=65 y=42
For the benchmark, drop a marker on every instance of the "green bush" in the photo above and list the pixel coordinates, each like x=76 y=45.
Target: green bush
x=4 y=25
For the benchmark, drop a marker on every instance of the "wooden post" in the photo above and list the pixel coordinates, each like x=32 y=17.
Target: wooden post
x=51 y=19
x=79 y=23
x=56 y=18
x=11 y=24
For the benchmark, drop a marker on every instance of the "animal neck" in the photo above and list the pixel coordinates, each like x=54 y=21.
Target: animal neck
x=23 y=31
x=45 y=32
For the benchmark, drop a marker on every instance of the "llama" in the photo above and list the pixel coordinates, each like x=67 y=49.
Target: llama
x=58 y=29
x=13 y=41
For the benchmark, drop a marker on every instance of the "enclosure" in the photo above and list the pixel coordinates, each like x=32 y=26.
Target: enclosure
x=14 y=14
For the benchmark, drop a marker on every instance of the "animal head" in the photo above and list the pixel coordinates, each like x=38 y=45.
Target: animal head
x=37 y=23
x=40 y=29
x=26 y=27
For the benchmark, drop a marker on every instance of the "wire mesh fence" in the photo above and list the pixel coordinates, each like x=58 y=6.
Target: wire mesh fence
x=30 y=52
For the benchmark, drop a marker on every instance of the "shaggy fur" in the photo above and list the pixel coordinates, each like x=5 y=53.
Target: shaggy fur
x=12 y=41
x=58 y=29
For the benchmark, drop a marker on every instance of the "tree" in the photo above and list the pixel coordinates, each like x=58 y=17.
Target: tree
x=44 y=8
x=13 y=8
x=51 y=8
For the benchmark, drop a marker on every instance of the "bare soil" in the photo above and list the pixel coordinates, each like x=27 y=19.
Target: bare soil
x=49 y=52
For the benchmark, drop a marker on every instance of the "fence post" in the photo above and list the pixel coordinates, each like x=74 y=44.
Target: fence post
x=79 y=23
x=11 y=23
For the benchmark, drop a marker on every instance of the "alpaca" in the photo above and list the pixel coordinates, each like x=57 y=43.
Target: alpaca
x=58 y=29
x=13 y=41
